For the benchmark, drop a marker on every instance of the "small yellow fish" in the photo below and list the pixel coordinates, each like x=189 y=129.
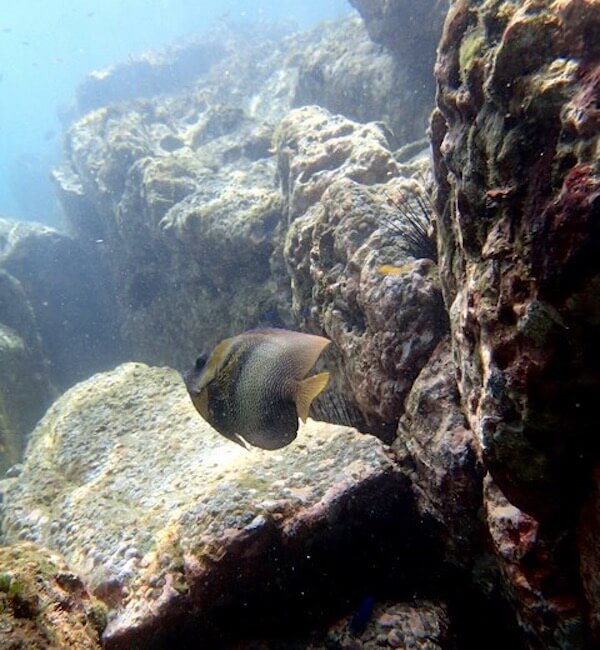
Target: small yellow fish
x=390 y=269
x=253 y=387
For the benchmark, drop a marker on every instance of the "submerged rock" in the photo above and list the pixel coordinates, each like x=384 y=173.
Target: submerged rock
x=515 y=141
x=177 y=529
x=344 y=197
x=518 y=187
x=43 y=605
x=25 y=389
x=181 y=187
x=436 y=442
x=72 y=326
x=415 y=626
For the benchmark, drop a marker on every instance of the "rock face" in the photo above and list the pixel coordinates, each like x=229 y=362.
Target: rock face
x=57 y=324
x=340 y=189
x=149 y=74
x=165 y=519
x=43 y=605
x=25 y=390
x=69 y=297
x=515 y=139
x=515 y=160
x=181 y=189
x=348 y=74
x=435 y=441
x=410 y=31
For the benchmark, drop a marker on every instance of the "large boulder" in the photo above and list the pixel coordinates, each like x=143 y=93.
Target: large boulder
x=179 y=190
x=358 y=273
x=409 y=30
x=515 y=140
x=516 y=158
x=178 y=529
x=70 y=302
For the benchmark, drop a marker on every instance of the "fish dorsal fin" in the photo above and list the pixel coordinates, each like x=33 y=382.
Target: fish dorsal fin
x=215 y=362
x=308 y=389
x=302 y=350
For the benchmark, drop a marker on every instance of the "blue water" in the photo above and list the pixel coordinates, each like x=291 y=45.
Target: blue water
x=48 y=46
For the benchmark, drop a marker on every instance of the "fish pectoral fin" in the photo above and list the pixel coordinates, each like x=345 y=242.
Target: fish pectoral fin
x=308 y=389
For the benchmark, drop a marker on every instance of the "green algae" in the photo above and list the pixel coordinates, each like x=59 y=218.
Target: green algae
x=471 y=48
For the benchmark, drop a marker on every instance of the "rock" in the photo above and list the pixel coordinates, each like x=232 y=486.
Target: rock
x=149 y=74
x=340 y=189
x=180 y=188
x=307 y=165
x=519 y=245
x=348 y=74
x=434 y=439
x=164 y=519
x=44 y=605
x=589 y=554
x=25 y=388
x=67 y=289
x=416 y=626
x=410 y=29
x=24 y=395
x=540 y=569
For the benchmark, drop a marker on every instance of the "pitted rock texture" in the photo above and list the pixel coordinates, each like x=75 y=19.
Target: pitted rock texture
x=516 y=154
x=341 y=190
x=540 y=569
x=43 y=605
x=415 y=626
x=178 y=192
x=435 y=440
x=165 y=519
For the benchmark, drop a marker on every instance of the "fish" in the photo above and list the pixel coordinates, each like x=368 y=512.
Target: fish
x=253 y=387
x=390 y=269
x=362 y=616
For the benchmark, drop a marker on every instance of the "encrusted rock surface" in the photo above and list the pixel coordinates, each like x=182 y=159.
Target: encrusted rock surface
x=589 y=554
x=409 y=28
x=181 y=188
x=415 y=626
x=541 y=572
x=341 y=187
x=435 y=440
x=348 y=74
x=515 y=140
x=515 y=159
x=166 y=520
x=43 y=605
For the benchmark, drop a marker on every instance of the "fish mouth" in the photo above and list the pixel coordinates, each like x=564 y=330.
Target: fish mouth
x=190 y=378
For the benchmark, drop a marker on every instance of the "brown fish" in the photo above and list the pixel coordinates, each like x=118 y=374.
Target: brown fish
x=253 y=387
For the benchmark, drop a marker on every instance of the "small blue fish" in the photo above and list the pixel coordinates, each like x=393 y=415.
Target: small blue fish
x=362 y=616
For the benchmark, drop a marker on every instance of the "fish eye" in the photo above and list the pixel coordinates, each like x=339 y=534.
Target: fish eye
x=200 y=362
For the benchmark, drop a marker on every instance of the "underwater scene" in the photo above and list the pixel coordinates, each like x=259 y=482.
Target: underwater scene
x=300 y=325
